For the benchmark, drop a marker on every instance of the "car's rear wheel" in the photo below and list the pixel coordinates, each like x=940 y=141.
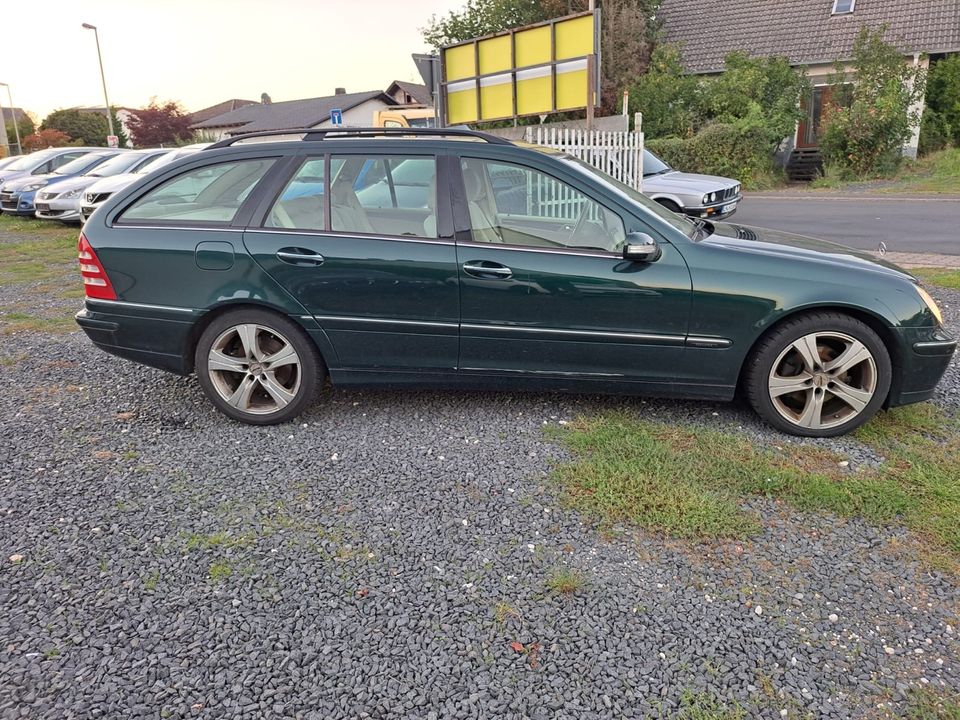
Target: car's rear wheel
x=819 y=375
x=258 y=367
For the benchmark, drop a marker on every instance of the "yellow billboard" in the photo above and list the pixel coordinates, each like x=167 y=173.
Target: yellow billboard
x=533 y=70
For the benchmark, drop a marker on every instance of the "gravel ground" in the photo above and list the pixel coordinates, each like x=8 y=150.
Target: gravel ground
x=380 y=559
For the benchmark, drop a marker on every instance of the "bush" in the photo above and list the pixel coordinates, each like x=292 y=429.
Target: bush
x=732 y=150
x=863 y=132
x=671 y=102
x=943 y=96
x=935 y=132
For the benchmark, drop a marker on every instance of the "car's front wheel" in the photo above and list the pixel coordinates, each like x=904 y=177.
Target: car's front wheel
x=257 y=367
x=819 y=375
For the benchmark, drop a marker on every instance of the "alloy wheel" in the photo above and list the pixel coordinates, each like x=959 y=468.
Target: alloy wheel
x=254 y=369
x=822 y=380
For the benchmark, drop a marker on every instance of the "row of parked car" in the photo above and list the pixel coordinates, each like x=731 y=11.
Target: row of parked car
x=68 y=184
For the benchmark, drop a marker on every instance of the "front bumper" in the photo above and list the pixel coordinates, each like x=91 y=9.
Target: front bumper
x=58 y=209
x=18 y=203
x=715 y=211
x=925 y=356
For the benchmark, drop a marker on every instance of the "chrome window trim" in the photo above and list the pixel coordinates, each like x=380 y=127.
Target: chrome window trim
x=551 y=251
x=145 y=306
x=173 y=227
x=358 y=236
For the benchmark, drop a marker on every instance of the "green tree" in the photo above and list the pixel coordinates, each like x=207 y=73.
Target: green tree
x=24 y=125
x=670 y=100
x=943 y=97
x=88 y=127
x=764 y=92
x=871 y=115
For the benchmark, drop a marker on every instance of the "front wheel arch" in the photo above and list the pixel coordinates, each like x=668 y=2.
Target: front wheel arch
x=874 y=322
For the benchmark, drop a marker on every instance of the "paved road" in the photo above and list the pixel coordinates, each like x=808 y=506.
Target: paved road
x=904 y=224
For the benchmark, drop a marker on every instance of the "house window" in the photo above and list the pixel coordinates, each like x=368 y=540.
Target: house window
x=842 y=7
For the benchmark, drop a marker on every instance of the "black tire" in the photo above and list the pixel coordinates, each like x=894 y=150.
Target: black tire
x=771 y=349
x=294 y=381
x=670 y=205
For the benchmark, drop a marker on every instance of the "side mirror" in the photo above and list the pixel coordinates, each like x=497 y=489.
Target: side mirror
x=641 y=247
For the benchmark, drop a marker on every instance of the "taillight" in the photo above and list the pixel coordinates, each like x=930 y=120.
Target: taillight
x=95 y=281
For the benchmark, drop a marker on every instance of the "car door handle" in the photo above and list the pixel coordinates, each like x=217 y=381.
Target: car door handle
x=299 y=256
x=485 y=269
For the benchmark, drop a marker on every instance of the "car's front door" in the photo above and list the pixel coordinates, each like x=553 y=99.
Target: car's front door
x=373 y=263
x=544 y=288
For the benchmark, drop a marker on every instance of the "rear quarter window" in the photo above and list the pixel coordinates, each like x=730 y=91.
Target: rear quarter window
x=211 y=194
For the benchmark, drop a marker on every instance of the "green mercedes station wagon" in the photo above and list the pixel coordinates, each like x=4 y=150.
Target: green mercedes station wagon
x=268 y=264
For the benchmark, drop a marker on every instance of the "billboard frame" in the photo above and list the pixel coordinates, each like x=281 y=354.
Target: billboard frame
x=592 y=60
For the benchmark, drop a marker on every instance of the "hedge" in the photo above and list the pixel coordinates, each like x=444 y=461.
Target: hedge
x=742 y=153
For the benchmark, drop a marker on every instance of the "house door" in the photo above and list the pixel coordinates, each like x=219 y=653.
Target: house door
x=808 y=130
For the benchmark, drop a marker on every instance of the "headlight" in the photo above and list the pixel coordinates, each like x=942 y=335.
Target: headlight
x=32 y=186
x=706 y=199
x=931 y=304
x=71 y=194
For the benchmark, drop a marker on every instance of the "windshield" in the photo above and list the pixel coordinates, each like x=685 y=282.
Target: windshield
x=114 y=166
x=78 y=166
x=652 y=165
x=678 y=222
x=165 y=159
x=28 y=162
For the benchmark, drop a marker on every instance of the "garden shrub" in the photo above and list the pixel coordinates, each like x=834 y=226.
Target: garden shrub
x=943 y=106
x=866 y=126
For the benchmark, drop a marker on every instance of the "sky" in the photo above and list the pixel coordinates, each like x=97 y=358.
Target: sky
x=201 y=52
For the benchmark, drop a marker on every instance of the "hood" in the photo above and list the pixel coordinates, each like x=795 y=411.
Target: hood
x=676 y=181
x=7 y=175
x=798 y=247
x=113 y=183
x=76 y=182
x=21 y=183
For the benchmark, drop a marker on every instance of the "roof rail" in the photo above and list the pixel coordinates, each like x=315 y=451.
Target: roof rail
x=341 y=132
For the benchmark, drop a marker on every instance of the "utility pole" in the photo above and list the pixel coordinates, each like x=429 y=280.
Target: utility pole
x=103 y=78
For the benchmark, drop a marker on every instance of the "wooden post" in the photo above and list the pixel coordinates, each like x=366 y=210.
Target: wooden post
x=591 y=88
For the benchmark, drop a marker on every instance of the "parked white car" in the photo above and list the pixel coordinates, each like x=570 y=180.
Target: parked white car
x=701 y=196
x=98 y=193
x=62 y=201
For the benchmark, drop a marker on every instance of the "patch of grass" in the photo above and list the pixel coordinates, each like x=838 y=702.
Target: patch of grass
x=33 y=226
x=504 y=611
x=37 y=259
x=939 y=277
x=51 y=653
x=11 y=322
x=937 y=172
x=565 y=581
x=219 y=539
x=701 y=706
x=928 y=705
x=151 y=581
x=691 y=482
x=220 y=570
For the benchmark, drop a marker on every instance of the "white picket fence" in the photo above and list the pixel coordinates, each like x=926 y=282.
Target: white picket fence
x=619 y=154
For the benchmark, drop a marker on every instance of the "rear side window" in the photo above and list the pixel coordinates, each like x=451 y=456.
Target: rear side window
x=300 y=205
x=208 y=195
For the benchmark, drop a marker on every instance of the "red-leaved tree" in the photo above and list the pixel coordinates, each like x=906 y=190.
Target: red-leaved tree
x=45 y=139
x=156 y=124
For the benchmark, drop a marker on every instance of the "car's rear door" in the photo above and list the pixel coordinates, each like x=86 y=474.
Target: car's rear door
x=376 y=268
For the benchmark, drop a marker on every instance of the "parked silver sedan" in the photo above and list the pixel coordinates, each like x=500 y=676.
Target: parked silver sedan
x=62 y=201
x=702 y=196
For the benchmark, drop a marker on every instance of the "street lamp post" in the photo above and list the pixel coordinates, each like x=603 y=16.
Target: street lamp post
x=16 y=127
x=103 y=78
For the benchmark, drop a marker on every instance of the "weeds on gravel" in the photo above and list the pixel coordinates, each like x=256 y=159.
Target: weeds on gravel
x=565 y=581
x=691 y=482
x=701 y=706
x=220 y=570
x=939 y=277
x=926 y=704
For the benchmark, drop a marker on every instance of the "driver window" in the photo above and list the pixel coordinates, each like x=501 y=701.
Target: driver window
x=516 y=205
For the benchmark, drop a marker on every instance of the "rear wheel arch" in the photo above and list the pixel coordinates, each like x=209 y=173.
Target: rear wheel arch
x=873 y=321
x=219 y=310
